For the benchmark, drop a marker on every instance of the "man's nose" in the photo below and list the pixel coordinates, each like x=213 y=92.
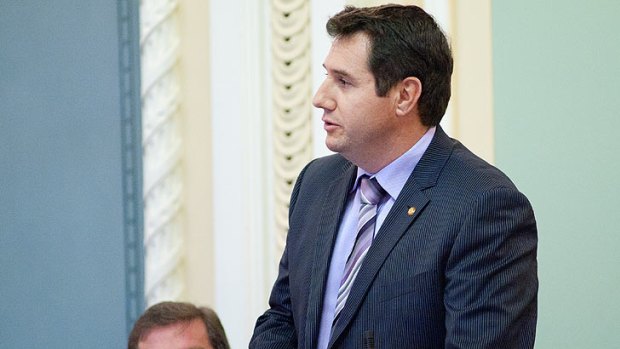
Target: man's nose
x=322 y=98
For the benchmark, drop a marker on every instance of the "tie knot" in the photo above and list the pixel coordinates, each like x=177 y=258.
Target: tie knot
x=371 y=191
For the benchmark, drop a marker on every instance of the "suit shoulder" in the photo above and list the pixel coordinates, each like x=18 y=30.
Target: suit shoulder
x=474 y=173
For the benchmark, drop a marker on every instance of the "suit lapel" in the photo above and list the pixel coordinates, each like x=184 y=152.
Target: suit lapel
x=333 y=207
x=408 y=206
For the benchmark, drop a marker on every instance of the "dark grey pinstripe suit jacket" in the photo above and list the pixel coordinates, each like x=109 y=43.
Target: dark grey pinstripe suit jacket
x=460 y=273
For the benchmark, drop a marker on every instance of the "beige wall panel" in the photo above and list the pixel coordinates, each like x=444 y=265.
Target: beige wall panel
x=473 y=80
x=194 y=70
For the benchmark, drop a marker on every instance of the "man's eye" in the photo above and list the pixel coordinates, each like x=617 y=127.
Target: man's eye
x=343 y=82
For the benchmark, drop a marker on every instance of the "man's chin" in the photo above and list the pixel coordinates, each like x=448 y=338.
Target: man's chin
x=333 y=146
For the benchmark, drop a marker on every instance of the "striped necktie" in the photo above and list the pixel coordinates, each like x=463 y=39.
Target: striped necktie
x=371 y=195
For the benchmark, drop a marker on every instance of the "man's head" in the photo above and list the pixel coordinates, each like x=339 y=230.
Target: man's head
x=404 y=42
x=176 y=325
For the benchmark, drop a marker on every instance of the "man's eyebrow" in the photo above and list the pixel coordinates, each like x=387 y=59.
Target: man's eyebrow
x=339 y=72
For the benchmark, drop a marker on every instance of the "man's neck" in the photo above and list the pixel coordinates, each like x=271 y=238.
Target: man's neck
x=373 y=163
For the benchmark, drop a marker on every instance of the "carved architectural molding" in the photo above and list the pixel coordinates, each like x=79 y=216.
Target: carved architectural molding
x=292 y=109
x=162 y=147
x=129 y=53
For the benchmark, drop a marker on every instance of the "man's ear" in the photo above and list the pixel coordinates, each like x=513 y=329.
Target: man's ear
x=409 y=91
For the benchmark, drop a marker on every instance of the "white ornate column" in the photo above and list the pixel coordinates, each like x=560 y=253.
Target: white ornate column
x=162 y=144
x=292 y=107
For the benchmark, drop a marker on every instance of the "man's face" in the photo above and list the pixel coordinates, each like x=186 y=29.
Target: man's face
x=189 y=335
x=358 y=123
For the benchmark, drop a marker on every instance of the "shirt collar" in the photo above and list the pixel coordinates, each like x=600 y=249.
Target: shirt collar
x=394 y=176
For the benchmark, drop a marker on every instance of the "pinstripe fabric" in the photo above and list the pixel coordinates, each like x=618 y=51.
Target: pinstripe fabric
x=458 y=273
x=371 y=194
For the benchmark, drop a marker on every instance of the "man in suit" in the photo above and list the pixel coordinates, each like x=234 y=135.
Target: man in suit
x=404 y=239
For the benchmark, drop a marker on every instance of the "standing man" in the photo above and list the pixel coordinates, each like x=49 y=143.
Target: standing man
x=404 y=239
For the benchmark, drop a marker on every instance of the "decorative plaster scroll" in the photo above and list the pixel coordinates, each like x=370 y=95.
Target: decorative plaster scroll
x=162 y=144
x=128 y=31
x=292 y=94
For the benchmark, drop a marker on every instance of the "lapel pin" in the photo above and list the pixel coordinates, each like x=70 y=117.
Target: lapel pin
x=411 y=211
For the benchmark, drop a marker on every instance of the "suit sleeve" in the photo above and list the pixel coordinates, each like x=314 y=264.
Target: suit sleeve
x=275 y=329
x=491 y=275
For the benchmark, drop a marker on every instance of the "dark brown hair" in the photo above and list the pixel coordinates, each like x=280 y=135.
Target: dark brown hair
x=168 y=313
x=405 y=41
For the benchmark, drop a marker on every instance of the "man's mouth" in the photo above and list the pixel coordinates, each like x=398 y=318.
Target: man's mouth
x=329 y=125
